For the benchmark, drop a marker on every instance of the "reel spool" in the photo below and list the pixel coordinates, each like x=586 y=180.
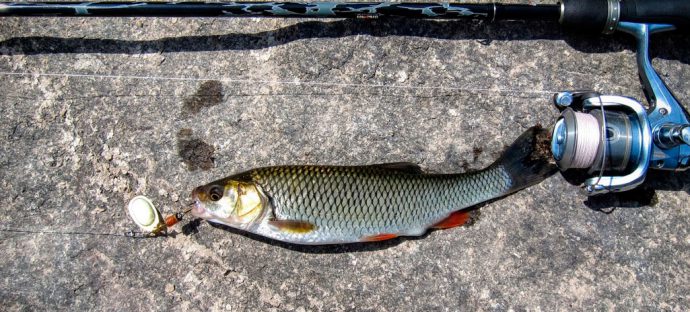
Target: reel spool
x=596 y=140
x=608 y=136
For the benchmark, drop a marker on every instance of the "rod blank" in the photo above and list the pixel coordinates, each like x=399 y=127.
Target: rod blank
x=286 y=9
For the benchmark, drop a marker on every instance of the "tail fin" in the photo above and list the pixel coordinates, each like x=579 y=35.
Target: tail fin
x=528 y=160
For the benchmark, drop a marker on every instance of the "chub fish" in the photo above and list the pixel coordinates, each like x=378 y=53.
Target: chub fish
x=317 y=205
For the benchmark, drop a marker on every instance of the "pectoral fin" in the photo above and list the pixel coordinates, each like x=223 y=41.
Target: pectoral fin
x=454 y=219
x=293 y=226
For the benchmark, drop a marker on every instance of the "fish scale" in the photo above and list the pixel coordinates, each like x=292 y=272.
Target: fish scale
x=368 y=200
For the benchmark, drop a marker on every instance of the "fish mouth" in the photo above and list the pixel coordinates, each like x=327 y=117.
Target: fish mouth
x=197 y=208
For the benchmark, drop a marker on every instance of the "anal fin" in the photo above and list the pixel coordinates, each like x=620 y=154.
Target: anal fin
x=378 y=237
x=454 y=219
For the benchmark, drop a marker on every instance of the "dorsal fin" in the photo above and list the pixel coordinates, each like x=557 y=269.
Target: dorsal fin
x=406 y=167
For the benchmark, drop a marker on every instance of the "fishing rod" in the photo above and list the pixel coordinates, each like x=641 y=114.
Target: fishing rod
x=590 y=15
x=615 y=139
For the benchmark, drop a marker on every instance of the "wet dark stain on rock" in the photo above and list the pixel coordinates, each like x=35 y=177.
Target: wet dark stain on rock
x=476 y=152
x=542 y=144
x=195 y=153
x=210 y=93
x=465 y=166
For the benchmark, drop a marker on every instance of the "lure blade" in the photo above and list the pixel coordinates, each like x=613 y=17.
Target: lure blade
x=145 y=215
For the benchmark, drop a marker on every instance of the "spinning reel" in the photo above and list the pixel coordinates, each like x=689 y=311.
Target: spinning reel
x=616 y=138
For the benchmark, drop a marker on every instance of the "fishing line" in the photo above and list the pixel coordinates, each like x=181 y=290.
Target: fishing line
x=587 y=140
x=153 y=228
x=274 y=82
x=603 y=141
x=25 y=231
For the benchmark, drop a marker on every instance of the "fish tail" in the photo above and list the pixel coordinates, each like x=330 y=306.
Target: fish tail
x=528 y=160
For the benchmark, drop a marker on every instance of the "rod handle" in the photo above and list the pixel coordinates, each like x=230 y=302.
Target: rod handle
x=584 y=15
x=595 y=16
x=673 y=12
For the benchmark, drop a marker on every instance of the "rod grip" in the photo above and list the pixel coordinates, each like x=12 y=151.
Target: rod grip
x=584 y=15
x=674 y=12
x=591 y=15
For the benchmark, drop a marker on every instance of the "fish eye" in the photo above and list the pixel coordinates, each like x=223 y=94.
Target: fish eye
x=215 y=193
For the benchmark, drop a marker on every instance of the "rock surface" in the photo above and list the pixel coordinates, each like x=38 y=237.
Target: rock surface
x=98 y=110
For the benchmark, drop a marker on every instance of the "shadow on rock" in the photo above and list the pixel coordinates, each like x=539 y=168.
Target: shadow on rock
x=667 y=46
x=328 y=249
x=192 y=227
x=321 y=249
x=643 y=195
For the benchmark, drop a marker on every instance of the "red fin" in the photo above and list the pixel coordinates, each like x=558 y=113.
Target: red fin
x=378 y=237
x=455 y=219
